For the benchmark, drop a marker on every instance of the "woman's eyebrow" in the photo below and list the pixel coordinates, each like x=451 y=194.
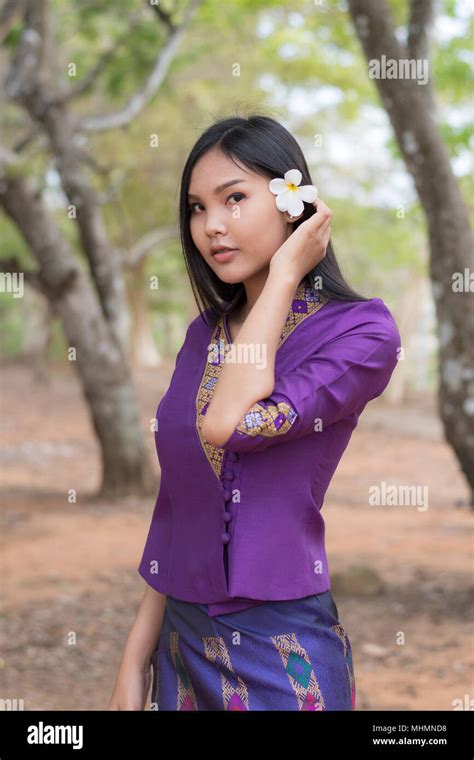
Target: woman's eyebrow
x=220 y=188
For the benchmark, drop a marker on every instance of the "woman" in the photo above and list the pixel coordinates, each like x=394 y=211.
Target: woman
x=267 y=389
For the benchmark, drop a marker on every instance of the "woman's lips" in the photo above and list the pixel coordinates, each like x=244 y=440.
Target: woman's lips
x=224 y=256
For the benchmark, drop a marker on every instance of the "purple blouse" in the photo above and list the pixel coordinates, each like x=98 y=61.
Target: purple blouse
x=237 y=525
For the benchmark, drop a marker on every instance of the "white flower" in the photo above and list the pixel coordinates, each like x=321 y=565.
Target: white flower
x=290 y=197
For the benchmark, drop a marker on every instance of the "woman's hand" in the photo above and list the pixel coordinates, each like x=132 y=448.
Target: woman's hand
x=131 y=687
x=306 y=246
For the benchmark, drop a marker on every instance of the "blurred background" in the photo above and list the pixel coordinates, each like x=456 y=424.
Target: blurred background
x=101 y=103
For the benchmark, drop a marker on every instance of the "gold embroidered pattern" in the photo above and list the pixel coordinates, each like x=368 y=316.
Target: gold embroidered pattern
x=305 y=303
x=186 y=697
x=300 y=672
x=235 y=695
x=215 y=454
x=259 y=420
x=339 y=629
x=269 y=420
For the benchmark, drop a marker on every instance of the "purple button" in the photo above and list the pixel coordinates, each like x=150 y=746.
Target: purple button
x=233 y=456
x=225 y=538
x=228 y=475
x=227 y=495
x=227 y=517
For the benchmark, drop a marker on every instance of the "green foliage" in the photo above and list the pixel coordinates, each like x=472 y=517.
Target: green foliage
x=12 y=244
x=377 y=248
x=453 y=68
x=14 y=327
x=280 y=47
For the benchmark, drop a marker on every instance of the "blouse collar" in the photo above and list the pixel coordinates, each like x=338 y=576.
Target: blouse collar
x=305 y=302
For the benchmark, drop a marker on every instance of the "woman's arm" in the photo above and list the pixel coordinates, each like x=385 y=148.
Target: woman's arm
x=241 y=383
x=134 y=677
x=145 y=631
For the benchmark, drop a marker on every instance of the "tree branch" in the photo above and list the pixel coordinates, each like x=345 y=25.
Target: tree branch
x=33 y=278
x=90 y=78
x=146 y=243
x=58 y=267
x=140 y=99
x=410 y=109
x=375 y=28
x=163 y=16
x=27 y=139
x=376 y=31
x=421 y=18
x=33 y=92
x=28 y=62
x=12 y=11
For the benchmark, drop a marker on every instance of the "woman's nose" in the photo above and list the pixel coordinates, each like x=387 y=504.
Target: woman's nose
x=214 y=224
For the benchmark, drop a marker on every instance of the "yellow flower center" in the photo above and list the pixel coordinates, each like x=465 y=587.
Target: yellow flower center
x=291 y=186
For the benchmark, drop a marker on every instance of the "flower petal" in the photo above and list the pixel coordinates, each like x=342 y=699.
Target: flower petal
x=295 y=206
x=277 y=185
x=283 y=199
x=293 y=177
x=307 y=193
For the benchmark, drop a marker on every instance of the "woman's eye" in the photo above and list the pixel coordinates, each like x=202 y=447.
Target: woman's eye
x=234 y=195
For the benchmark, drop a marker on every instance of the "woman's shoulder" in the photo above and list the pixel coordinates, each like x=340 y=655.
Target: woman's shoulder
x=200 y=327
x=369 y=315
x=204 y=321
x=356 y=308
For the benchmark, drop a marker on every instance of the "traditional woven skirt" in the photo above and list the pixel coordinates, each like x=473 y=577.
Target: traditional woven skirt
x=284 y=655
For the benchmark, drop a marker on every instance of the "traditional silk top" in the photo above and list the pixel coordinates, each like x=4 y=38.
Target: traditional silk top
x=237 y=525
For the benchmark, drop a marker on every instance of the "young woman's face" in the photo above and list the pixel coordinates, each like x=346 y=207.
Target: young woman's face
x=243 y=216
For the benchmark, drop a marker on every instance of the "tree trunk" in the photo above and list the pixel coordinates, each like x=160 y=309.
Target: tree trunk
x=411 y=109
x=102 y=366
x=144 y=349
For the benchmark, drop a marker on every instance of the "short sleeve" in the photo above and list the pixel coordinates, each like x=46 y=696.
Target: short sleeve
x=337 y=381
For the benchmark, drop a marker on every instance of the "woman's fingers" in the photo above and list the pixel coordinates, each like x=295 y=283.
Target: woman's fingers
x=323 y=213
x=323 y=209
x=325 y=225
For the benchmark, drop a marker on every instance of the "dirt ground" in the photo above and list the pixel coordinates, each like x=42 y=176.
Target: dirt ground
x=72 y=568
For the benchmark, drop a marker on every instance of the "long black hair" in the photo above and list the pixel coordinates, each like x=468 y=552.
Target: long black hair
x=264 y=146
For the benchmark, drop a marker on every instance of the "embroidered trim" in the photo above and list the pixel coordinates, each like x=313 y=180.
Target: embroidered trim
x=268 y=420
x=212 y=370
x=300 y=671
x=305 y=303
x=259 y=420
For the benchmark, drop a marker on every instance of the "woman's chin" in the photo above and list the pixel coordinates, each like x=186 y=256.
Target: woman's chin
x=233 y=277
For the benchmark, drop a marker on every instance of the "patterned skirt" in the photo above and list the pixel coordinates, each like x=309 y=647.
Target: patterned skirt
x=285 y=655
